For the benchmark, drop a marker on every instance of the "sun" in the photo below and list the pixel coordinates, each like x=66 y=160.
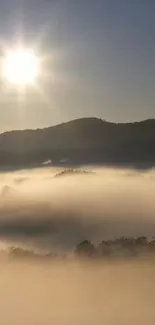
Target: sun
x=20 y=67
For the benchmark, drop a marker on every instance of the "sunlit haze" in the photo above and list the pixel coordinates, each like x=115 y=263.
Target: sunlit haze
x=46 y=213
x=98 y=61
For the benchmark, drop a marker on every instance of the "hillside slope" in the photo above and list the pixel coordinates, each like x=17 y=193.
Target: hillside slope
x=86 y=140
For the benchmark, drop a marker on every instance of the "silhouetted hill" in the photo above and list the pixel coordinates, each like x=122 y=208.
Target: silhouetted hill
x=86 y=140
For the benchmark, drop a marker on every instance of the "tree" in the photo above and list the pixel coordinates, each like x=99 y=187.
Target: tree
x=86 y=249
x=142 y=241
x=104 y=248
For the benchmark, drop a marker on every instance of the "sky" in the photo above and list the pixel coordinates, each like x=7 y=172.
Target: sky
x=99 y=60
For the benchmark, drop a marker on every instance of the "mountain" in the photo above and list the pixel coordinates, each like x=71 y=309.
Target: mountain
x=85 y=140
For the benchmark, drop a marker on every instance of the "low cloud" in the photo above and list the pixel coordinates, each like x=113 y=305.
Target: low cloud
x=48 y=212
x=45 y=213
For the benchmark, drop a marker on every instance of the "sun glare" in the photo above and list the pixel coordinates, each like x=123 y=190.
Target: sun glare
x=20 y=67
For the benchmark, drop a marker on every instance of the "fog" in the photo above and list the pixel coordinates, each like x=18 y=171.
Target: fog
x=44 y=294
x=44 y=210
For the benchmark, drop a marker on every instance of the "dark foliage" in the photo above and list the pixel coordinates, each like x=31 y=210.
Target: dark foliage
x=72 y=171
x=123 y=247
x=86 y=248
x=117 y=248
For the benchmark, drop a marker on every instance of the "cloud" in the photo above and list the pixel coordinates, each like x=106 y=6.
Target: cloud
x=48 y=212
x=44 y=214
x=73 y=293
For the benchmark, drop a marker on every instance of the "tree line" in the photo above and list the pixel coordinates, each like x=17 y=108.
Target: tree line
x=122 y=246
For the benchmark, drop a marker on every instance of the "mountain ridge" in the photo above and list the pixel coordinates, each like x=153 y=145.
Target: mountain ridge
x=84 y=140
x=80 y=119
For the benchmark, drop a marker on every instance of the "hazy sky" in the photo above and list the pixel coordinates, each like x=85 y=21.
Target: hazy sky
x=101 y=60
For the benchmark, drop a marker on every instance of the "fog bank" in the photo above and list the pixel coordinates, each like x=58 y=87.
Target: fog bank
x=55 y=213
x=44 y=294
